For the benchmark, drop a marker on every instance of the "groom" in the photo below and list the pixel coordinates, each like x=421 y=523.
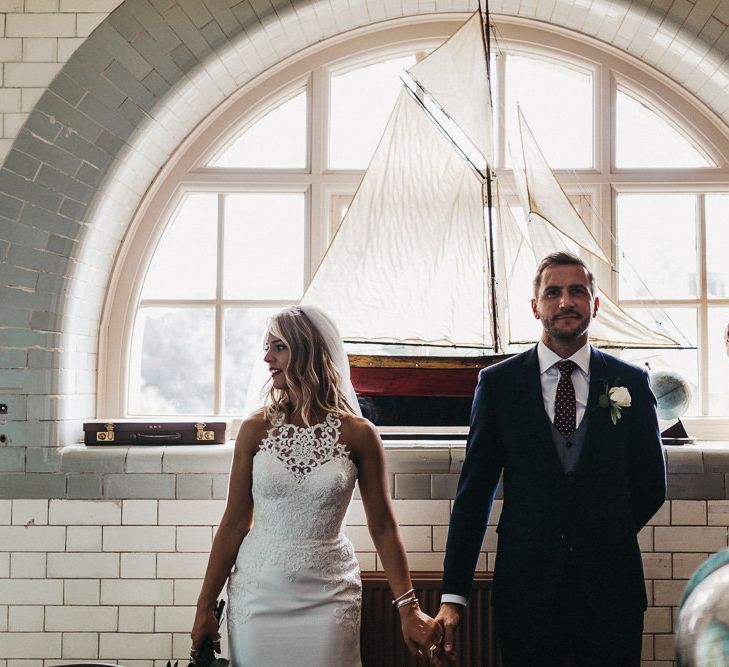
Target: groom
x=575 y=434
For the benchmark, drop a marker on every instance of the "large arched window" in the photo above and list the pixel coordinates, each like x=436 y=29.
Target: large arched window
x=239 y=221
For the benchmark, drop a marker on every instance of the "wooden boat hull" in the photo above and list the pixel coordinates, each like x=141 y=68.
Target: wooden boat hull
x=417 y=391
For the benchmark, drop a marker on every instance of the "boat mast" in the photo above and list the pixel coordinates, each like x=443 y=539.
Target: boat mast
x=486 y=34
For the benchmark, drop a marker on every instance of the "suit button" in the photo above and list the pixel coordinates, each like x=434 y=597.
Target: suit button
x=569 y=444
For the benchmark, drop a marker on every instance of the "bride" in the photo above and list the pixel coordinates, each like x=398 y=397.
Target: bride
x=295 y=593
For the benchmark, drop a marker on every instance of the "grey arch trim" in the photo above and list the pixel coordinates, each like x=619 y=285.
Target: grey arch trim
x=139 y=84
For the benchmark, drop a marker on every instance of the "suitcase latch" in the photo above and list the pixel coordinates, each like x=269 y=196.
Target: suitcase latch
x=202 y=434
x=106 y=436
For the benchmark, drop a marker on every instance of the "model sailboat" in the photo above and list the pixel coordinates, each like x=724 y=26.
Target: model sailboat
x=427 y=256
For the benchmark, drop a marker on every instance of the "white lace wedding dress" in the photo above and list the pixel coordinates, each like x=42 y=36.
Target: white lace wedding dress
x=294 y=596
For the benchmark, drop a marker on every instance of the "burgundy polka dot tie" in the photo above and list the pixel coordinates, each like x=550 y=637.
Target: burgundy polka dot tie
x=565 y=404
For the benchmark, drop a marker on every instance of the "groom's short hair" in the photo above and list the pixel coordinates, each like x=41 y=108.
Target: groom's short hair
x=561 y=258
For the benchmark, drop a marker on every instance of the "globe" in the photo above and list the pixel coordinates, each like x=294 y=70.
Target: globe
x=702 y=627
x=672 y=393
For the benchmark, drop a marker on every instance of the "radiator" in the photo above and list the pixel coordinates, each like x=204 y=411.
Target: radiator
x=381 y=642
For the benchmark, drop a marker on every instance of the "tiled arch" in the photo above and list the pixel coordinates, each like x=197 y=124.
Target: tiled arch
x=134 y=89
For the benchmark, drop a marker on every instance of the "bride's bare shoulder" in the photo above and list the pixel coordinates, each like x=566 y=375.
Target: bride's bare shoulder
x=360 y=434
x=252 y=430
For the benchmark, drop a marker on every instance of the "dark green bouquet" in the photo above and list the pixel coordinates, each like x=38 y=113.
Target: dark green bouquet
x=205 y=656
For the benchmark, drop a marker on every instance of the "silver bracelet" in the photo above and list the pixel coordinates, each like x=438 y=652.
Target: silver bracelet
x=411 y=600
x=403 y=596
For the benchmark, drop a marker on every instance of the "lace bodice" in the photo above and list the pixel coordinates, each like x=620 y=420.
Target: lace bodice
x=303 y=448
x=303 y=479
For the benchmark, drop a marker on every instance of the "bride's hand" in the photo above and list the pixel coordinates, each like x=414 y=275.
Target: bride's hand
x=421 y=633
x=205 y=625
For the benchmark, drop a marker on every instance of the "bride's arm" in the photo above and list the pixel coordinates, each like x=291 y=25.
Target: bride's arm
x=234 y=525
x=419 y=630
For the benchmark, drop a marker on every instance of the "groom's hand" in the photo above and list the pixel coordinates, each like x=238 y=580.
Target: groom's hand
x=449 y=617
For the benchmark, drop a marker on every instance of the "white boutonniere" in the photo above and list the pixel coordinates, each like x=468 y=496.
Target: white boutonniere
x=615 y=398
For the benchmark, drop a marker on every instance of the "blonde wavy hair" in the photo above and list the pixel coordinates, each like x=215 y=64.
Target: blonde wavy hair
x=313 y=382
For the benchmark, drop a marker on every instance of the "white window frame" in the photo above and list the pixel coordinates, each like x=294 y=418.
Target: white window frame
x=185 y=171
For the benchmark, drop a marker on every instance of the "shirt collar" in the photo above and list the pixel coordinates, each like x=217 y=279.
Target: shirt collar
x=547 y=358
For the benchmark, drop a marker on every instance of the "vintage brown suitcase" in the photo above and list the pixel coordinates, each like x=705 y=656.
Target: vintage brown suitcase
x=154 y=433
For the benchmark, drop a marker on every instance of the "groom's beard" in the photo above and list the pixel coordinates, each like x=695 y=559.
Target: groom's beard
x=566 y=329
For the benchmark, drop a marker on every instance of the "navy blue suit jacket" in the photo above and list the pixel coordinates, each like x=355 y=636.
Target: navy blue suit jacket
x=592 y=515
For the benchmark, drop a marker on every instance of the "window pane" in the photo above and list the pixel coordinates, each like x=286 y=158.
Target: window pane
x=244 y=371
x=184 y=263
x=718 y=362
x=172 y=368
x=361 y=103
x=339 y=206
x=557 y=102
x=657 y=245
x=264 y=246
x=680 y=324
x=644 y=139
x=717 y=245
x=276 y=141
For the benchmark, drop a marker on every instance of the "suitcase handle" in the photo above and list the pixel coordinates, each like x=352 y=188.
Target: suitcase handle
x=159 y=436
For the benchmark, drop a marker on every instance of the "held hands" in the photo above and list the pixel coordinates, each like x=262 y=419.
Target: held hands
x=421 y=633
x=449 y=618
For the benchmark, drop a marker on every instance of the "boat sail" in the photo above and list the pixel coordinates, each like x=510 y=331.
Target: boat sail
x=426 y=255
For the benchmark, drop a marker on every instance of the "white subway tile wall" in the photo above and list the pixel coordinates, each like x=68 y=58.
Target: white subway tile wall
x=92 y=573
x=132 y=596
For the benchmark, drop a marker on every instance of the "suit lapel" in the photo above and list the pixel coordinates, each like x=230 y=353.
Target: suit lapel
x=598 y=379
x=531 y=386
x=595 y=415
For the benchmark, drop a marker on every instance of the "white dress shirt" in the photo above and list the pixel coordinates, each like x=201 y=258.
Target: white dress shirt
x=549 y=377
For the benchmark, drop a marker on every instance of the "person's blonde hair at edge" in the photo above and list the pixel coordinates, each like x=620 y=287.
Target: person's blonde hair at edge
x=313 y=382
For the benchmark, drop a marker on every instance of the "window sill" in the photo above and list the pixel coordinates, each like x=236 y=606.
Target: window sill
x=418 y=470
x=704 y=428
x=414 y=454
x=163 y=459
